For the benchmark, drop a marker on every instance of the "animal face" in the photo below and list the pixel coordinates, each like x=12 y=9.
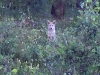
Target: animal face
x=51 y=30
x=51 y=25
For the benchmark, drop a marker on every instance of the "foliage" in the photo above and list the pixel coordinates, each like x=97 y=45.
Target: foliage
x=25 y=50
x=87 y=29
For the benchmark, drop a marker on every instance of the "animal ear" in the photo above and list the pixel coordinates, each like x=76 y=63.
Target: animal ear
x=48 y=21
x=54 y=21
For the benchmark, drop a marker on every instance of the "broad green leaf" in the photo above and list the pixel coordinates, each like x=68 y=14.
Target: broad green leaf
x=1 y=67
x=97 y=3
x=14 y=71
x=89 y=1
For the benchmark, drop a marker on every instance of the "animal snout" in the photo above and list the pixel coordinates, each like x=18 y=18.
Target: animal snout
x=50 y=28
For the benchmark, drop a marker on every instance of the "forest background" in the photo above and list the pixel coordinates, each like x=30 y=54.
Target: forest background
x=24 y=46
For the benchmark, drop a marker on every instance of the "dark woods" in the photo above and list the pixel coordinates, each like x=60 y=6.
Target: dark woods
x=58 y=9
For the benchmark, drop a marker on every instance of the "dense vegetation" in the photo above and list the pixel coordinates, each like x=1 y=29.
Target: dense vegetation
x=24 y=46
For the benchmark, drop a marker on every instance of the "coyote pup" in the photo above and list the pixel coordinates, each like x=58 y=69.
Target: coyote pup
x=51 y=30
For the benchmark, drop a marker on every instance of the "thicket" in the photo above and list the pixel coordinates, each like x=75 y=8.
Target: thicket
x=26 y=50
